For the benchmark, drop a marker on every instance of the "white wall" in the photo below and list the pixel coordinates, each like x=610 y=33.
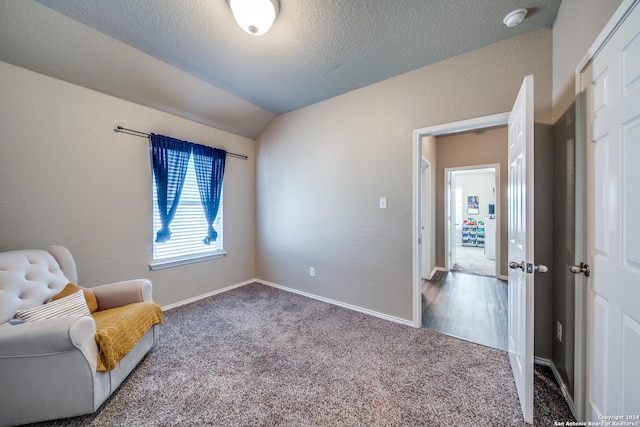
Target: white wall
x=68 y=178
x=476 y=184
x=473 y=184
x=322 y=169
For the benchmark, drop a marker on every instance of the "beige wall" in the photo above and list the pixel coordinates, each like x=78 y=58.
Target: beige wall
x=576 y=27
x=322 y=169
x=60 y=47
x=68 y=178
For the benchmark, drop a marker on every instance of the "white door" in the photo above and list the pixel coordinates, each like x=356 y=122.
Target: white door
x=520 y=226
x=613 y=235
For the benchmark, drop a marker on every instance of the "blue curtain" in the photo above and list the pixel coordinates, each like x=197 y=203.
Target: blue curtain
x=169 y=160
x=209 y=164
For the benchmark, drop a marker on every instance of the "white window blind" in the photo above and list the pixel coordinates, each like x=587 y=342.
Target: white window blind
x=189 y=226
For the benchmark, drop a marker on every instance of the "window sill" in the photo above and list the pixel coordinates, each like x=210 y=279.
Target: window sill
x=175 y=262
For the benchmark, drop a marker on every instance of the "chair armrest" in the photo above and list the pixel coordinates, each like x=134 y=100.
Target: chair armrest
x=122 y=293
x=50 y=336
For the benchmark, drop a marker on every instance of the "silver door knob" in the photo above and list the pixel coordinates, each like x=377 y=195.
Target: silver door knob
x=514 y=265
x=582 y=268
x=541 y=268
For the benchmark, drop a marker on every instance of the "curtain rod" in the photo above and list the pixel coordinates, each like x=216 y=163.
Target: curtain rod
x=146 y=135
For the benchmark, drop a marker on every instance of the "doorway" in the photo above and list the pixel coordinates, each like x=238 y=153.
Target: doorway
x=429 y=135
x=471 y=232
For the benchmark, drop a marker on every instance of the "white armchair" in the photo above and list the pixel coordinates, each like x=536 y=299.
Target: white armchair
x=48 y=367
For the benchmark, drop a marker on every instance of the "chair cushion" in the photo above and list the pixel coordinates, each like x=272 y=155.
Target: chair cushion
x=89 y=296
x=72 y=305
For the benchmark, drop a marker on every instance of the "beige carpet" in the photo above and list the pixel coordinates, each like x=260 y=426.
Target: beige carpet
x=472 y=260
x=258 y=356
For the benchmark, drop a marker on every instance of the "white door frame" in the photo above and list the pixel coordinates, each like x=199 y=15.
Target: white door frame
x=449 y=242
x=449 y=224
x=583 y=317
x=580 y=282
x=438 y=130
x=426 y=220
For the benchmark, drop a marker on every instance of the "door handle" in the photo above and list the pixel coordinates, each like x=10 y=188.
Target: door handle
x=541 y=268
x=529 y=268
x=582 y=268
x=514 y=265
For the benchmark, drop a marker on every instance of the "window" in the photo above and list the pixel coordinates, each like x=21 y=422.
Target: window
x=188 y=228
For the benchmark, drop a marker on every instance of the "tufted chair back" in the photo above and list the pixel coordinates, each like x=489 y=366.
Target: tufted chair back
x=31 y=277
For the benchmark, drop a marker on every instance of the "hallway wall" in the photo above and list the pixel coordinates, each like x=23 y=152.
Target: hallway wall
x=470 y=149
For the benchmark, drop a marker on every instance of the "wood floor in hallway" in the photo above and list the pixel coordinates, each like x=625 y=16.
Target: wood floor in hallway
x=467 y=306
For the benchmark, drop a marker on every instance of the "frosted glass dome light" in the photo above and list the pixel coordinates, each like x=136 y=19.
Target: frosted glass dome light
x=255 y=16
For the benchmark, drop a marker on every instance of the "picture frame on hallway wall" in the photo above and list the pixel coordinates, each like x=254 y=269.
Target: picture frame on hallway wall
x=473 y=205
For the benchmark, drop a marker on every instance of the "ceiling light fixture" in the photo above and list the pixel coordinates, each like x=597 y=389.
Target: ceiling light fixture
x=255 y=16
x=515 y=18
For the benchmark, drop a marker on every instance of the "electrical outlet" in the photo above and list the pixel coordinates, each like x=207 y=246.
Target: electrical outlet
x=559 y=330
x=312 y=271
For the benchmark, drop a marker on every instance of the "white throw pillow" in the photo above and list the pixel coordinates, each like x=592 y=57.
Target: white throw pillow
x=72 y=305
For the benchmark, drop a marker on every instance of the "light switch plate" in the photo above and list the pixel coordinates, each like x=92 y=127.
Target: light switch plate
x=383 y=203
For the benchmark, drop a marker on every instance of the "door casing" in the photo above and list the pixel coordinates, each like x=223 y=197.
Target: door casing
x=449 y=206
x=438 y=130
x=427 y=220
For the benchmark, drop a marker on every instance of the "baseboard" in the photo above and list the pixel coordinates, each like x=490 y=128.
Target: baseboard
x=339 y=303
x=563 y=386
x=208 y=294
x=295 y=291
x=435 y=270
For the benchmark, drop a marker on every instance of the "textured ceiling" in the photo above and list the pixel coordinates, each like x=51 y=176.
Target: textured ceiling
x=315 y=50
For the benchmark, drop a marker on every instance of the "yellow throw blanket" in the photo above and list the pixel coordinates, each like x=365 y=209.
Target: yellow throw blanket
x=119 y=329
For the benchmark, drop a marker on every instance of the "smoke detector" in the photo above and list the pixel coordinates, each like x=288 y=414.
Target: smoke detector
x=515 y=18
